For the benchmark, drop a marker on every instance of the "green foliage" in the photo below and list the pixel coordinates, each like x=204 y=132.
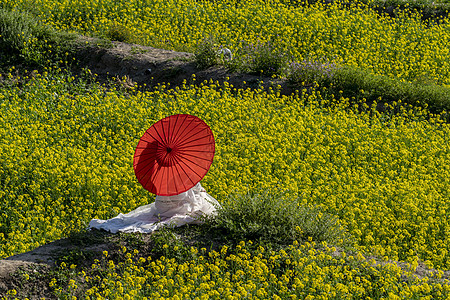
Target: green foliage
x=266 y=60
x=76 y=257
x=428 y=9
x=206 y=53
x=308 y=73
x=118 y=32
x=357 y=83
x=23 y=37
x=433 y=11
x=15 y=30
x=167 y=243
x=277 y=219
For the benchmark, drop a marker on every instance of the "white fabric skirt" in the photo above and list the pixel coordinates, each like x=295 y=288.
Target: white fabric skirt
x=178 y=210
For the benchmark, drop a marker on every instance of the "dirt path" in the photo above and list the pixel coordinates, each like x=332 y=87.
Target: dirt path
x=43 y=259
x=149 y=66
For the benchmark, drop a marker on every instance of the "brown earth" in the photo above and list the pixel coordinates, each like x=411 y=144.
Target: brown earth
x=132 y=64
x=38 y=262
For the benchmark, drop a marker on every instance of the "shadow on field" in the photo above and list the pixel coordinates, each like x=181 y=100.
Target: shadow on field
x=82 y=249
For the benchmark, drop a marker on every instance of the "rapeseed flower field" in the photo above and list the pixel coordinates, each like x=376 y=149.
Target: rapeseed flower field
x=403 y=47
x=307 y=271
x=66 y=149
x=67 y=158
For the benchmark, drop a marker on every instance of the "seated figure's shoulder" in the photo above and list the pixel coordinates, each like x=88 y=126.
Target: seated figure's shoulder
x=198 y=188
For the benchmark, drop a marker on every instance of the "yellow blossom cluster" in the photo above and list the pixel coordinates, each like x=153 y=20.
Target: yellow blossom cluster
x=403 y=47
x=63 y=161
x=307 y=271
x=66 y=157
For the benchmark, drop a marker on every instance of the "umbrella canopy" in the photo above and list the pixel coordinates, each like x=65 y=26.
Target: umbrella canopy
x=174 y=154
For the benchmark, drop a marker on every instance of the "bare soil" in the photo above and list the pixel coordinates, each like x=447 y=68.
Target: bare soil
x=133 y=64
x=39 y=263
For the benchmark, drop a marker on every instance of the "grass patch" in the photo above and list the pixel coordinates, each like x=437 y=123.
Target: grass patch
x=118 y=32
x=356 y=83
x=265 y=59
x=434 y=11
x=428 y=10
x=206 y=54
x=24 y=39
x=276 y=219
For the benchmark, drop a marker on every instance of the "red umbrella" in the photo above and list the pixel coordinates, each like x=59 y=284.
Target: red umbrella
x=174 y=154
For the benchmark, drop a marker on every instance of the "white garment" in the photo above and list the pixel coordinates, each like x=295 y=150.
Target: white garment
x=178 y=210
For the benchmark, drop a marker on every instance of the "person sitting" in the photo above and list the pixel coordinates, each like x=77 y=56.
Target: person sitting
x=185 y=208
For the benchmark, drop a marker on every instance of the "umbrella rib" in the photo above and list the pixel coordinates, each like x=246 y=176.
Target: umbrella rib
x=195 y=145
x=180 y=134
x=146 y=170
x=173 y=176
x=178 y=166
x=197 y=157
x=152 y=147
x=181 y=153
x=147 y=162
x=147 y=132
x=164 y=136
x=145 y=138
x=193 y=132
x=179 y=159
x=194 y=152
x=150 y=154
x=166 y=156
x=187 y=152
x=160 y=182
x=187 y=141
x=193 y=162
x=171 y=136
x=190 y=150
x=175 y=134
x=186 y=172
x=145 y=156
x=161 y=140
x=152 y=175
x=167 y=136
x=155 y=147
x=173 y=171
x=147 y=147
